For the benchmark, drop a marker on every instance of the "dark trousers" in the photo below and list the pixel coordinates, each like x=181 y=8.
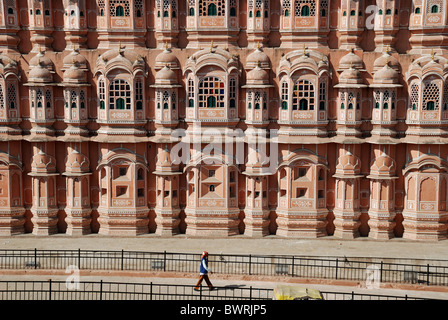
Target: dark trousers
x=207 y=280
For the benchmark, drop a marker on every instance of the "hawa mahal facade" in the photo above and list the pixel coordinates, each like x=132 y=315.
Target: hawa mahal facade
x=349 y=99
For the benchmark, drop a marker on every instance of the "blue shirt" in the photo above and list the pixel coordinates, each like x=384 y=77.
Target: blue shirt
x=204 y=266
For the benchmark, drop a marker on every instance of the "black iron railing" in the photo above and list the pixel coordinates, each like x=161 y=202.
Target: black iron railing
x=434 y=273
x=100 y=290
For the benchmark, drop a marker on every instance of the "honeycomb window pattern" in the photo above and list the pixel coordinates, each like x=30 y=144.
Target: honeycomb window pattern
x=211 y=93
x=212 y=8
x=305 y=8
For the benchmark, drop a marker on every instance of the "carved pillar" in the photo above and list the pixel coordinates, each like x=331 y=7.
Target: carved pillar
x=77 y=172
x=347 y=211
x=167 y=208
x=382 y=194
x=43 y=174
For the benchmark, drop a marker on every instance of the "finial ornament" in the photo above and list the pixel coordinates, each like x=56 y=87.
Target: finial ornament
x=211 y=46
x=433 y=54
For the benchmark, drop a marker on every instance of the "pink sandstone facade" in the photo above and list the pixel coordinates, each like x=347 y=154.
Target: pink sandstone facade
x=349 y=99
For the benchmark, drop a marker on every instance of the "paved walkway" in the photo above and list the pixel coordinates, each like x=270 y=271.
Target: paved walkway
x=270 y=245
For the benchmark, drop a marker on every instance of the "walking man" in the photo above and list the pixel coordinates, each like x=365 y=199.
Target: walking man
x=204 y=270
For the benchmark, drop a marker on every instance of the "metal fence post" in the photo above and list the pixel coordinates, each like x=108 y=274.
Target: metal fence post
x=35 y=258
x=122 y=258
x=381 y=272
x=250 y=293
x=49 y=290
x=150 y=291
x=337 y=268
x=101 y=290
x=79 y=258
x=292 y=267
x=250 y=264
x=164 y=260
x=427 y=274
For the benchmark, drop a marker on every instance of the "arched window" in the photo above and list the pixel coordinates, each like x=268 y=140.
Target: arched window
x=232 y=93
x=119 y=8
x=211 y=93
x=286 y=13
x=353 y=13
x=120 y=95
x=211 y=102
x=190 y=93
x=322 y=95
x=119 y=11
x=212 y=10
x=414 y=96
x=138 y=94
x=285 y=95
x=119 y=104
x=418 y=10
x=435 y=9
x=305 y=11
x=10 y=11
x=12 y=96
x=303 y=96
x=303 y=104
x=191 y=12
x=48 y=99
x=233 y=12
x=431 y=96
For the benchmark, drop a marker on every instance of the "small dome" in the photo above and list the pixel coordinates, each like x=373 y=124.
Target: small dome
x=75 y=75
x=348 y=164
x=166 y=58
x=75 y=58
x=124 y=57
x=257 y=76
x=164 y=162
x=386 y=75
x=40 y=74
x=77 y=162
x=305 y=59
x=385 y=59
x=166 y=76
x=351 y=59
x=8 y=63
x=257 y=58
x=42 y=60
x=383 y=165
x=43 y=162
x=351 y=76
